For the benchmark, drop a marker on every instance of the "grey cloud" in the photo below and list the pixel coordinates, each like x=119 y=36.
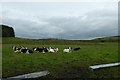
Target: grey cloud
x=87 y=26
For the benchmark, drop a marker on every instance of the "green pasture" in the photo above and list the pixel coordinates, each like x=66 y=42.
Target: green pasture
x=60 y=65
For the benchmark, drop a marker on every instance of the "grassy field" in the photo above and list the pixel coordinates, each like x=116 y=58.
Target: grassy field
x=60 y=65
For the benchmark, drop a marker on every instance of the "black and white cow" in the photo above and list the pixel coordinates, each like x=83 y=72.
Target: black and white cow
x=26 y=51
x=38 y=49
x=75 y=49
x=55 y=49
x=22 y=49
x=43 y=49
x=15 y=49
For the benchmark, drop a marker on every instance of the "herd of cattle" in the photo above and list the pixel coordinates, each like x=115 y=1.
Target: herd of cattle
x=25 y=50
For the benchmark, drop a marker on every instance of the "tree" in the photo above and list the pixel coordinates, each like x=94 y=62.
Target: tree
x=7 y=31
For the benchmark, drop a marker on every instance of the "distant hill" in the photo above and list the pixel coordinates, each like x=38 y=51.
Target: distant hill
x=7 y=31
x=110 y=39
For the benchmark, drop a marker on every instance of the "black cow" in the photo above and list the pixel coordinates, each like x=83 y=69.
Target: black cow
x=75 y=49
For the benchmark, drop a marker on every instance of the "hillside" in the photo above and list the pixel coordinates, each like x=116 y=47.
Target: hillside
x=41 y=41
x=108 y=39
x=58 y=41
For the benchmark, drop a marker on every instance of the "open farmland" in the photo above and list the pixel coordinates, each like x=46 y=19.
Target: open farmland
x=60 y=65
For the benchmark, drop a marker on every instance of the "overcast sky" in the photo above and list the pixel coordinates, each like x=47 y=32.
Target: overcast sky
x=66 y=20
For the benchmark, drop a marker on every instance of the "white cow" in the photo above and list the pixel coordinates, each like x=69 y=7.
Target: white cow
x=67 y=50
x=51 y=50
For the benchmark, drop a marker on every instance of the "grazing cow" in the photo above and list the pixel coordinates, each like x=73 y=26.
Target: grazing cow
x=67 y=50
x=75 y=49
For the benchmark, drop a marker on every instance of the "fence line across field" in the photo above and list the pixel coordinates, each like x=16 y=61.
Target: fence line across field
x=30 y=75
x=104 y=65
